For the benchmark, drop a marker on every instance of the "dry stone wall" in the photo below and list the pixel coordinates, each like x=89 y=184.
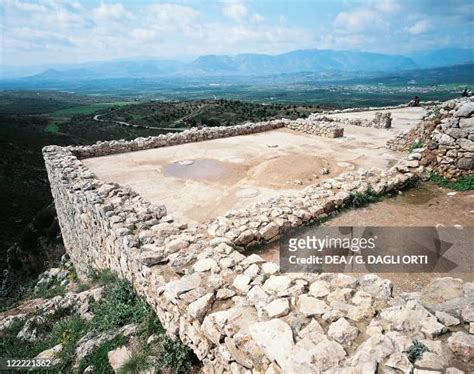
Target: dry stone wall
x=380 y=120
x=444 y=141
x=196 y=134
x=237 y=312
x=377 y=108
x=315 y=126
x=264 y=221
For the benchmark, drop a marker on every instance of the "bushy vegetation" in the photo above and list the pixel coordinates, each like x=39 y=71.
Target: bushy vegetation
x=205 y=112
x=359 y=199
x=413 y=182
x=50 y=290
x=119 y=306
x=416 y=144
x=175 y=356
x=138 y=361
x=416 y=350
x=68 y=332
x=46 y=326
x=98 y=357
x=464 y=183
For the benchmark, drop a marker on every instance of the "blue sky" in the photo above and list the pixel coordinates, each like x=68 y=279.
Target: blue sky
x=57 y=31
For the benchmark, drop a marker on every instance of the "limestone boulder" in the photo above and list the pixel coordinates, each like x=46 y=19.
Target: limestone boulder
x=376 y=286
x=197 y=309
x=445 y=295
x=205 y=264
x=447 y=319
x=118 y=357
x=319 y=288
x=343 y=332
x=466 y=144
x=310 y=306
x=275 y=338
x=464 y=110
x=462 y=345
x=467 y=124
x=175 y=288
x=372 y=351
x=277 y=283
x=270 y=231
x=278 y=308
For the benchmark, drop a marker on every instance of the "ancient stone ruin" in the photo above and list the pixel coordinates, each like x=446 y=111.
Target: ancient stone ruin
x=236 y=311
x=444 y=142
x=380 y=120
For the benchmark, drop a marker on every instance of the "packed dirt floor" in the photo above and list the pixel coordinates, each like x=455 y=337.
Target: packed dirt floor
x=199 y=181
x=426 y=205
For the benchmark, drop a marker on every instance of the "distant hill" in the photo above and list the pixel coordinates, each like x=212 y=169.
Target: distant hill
x=317 y=61
x=443 y=57
x=455 y=74
x=311 y=60
x=112 y=69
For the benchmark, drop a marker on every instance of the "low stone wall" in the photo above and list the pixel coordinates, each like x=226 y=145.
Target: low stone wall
x=327 y=129
x=237 y=312
x=375 y=108
x=263 y=222
x=196 y=134
x=380 y=120
x=444 y=141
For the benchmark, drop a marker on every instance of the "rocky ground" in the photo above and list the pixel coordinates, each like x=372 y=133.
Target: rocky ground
x=97 y=326
x=101 y=326
x=336 y=323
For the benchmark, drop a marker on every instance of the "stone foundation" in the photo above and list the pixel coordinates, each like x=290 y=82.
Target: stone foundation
x=237 y=312
x=380 y=120
x=444 y=140
x=314 y=126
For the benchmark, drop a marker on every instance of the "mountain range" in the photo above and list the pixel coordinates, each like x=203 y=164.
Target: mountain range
x=299 y=61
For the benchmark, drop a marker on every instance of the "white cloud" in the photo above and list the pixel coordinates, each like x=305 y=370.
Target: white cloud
x=21 y=6
x=258 y=18
x=171 y=15
x=111 y=12
x=387 y=6
x=235 y=10
x=362 y=26
x=358 y=20
x=419 y=27
x=143 y=35
x=70 y=30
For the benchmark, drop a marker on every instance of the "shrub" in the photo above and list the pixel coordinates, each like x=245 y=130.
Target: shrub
x=175 y=356
x=68 y=332
x=412 y=182
x=48 y=330
x=98 y=358
x=138 y=362
x=102 y=277
x=10 y=345
x=120 y=306
x=45 y=324
x=48 y=291
x=416 y=350
x=416 y=144
x=359 y=199
x=464 y=183
x=150 y=325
